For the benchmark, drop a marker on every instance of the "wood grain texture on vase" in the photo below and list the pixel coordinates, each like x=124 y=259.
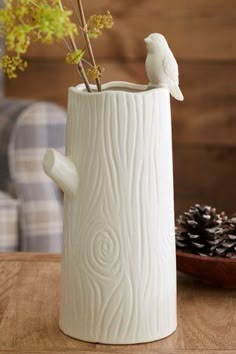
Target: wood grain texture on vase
x=119 y=266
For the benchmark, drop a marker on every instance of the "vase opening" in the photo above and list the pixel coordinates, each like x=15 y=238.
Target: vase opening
x=117 y=86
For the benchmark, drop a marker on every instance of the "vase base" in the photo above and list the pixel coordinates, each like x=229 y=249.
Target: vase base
x=119 y=341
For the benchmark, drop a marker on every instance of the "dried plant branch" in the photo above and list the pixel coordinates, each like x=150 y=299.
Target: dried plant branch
x=67 y=45
x=87 y=62
x=80 y=66
x=76 y=11
x=81 y=70
x=24 y=22
x=87 y=40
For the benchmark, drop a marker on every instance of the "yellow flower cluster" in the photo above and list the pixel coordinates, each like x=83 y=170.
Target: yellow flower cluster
x=96 y=23
x=23 y=22
x=74 y=57
x=18 y=39
x=95 y=72
x=10 y=64
x=53 y=23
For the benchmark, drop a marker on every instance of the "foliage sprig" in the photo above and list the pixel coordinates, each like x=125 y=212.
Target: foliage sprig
x=95 y=72
x=97 y=23
x=23 y=22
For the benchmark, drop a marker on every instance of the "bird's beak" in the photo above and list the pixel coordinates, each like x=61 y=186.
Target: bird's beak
x=147 y=40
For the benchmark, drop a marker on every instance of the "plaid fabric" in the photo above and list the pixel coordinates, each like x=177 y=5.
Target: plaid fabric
x=9 y=113
x=37 y=126
x=40 y=126
x=8 y=223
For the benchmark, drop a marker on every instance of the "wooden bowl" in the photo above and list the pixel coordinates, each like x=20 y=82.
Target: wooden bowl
x=215 y=271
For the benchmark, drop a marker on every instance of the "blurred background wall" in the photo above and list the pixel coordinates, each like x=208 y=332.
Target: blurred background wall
x=202 y=36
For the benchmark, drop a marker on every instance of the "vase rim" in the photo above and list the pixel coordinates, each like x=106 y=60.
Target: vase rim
x=117 y=86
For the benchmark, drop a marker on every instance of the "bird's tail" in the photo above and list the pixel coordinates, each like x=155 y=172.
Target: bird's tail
x=176 y=92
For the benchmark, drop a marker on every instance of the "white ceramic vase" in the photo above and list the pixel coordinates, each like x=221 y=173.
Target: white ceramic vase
x=119 y=270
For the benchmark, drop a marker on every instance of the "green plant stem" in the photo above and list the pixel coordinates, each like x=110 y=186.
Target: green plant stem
x=76 y=11
x=87 y=40
x=86 y=62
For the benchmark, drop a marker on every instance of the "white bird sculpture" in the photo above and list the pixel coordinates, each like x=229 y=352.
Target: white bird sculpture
x=161 y=66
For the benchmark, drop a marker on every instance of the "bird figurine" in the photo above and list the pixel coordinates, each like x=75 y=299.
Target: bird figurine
x=161 y=66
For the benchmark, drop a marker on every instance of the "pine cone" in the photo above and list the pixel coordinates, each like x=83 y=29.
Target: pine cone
x=200 y=230
x=227 y=248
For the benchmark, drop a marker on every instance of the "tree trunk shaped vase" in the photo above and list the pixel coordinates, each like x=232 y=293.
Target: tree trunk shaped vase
x=118 y=282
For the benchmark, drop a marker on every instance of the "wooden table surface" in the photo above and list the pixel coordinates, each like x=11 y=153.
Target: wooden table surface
x=29 y=298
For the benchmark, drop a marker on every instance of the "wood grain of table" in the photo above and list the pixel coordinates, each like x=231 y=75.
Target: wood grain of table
x=29 y=301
